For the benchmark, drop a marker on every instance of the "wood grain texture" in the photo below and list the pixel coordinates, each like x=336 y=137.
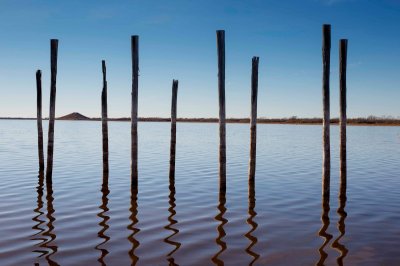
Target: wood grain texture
x=104 y=118
x=221 y=97
x=53 y=79
x=326 y=165
x=173 y=128
x=253 y=118
x=39 y=119
x=343 y=116
x=134 y=111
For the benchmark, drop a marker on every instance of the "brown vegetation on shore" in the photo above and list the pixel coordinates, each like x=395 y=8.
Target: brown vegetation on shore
x=360 y=121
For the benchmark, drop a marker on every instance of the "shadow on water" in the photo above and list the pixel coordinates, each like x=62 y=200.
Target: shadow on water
x=220 y=228
x=104 y=220
x=342 y=216
x=133 y=217
x=252 y=223
x=176 y=245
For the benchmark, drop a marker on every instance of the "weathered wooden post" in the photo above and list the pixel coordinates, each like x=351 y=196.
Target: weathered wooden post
x=104 y=118
x=134 y=111
x=173 y=129
x=253 y=119
x=221 y=94
x=343 y=117
x=50 y=144
x=326 y=168
x=39 y=119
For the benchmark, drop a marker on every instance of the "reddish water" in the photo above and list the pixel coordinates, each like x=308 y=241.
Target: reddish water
x=80 y=221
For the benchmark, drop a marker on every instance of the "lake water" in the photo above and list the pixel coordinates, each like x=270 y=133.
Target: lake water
x=80 y=222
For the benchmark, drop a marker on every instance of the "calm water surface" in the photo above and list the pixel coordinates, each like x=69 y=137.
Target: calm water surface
x=81 y=221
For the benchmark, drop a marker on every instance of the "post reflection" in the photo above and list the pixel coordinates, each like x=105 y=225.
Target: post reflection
x=174 y=231
x=323 y=231
x=133 y=217
x=38 y=218
x=342 y=216
x=104 y=220
x=49 y=233
x=220 y=228
x=253 y=225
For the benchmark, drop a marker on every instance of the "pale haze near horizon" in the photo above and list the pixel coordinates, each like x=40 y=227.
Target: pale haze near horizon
x=178 y=41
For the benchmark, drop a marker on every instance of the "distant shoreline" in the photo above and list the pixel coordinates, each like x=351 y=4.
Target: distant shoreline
x=287 y=121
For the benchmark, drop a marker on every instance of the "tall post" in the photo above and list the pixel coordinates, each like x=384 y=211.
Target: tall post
x=221 y=94
x=104 y=118
x=134 y=111
x=253 y=119
x=343 y=116
x=39 y=119
x=326 y=168
x=173 y=129
x=50 y=145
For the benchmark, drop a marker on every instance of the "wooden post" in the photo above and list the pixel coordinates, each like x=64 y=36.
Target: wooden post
x=253 y=119
x=104 y=118
x=39 y=119
x=343 y=117
x=134 y=111
x=221 y=94
x=50 y=145
x=173 y=129
x=326 y=51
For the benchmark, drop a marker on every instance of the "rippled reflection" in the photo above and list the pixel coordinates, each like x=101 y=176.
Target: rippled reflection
x=342 y=216
x=342 y=230
x=220 y=228
x=49 y=233
x=133 y=217
x=252 y=223
x=172 y=221
x=323 y=231
x=38 y=218
x=104 y=219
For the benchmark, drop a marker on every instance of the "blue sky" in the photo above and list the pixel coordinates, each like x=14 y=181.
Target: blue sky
x=178 y=41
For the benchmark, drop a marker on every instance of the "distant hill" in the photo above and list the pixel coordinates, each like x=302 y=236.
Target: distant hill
x=360 y=121
x=74 y=116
